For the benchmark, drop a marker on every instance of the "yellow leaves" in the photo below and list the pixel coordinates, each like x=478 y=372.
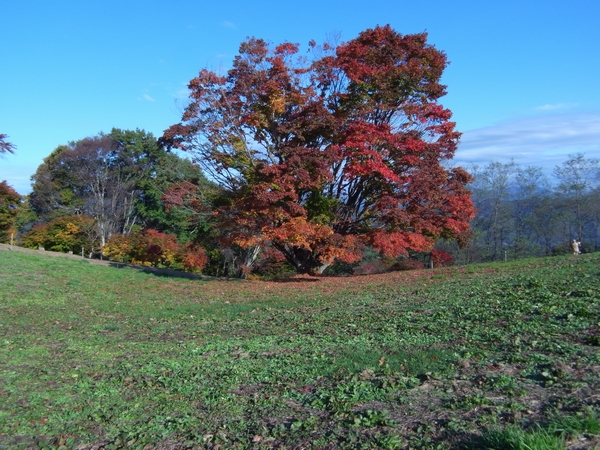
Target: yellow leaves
x=66 y=234
x=278 y=105
x=118 y=248
x=72 y=228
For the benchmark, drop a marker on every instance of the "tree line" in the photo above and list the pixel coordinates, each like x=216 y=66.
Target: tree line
x=124 y=196
x=522 y=212
x=334 y=160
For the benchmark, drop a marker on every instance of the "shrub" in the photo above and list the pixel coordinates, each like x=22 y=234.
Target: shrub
x=371 y=267
x=407 y=264
x=10 y=201
x=153 y=248
x=441 y=258
x=119 y=247
x=194 y=258
x=63 y=234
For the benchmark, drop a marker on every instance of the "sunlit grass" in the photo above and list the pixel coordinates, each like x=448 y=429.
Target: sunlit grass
x=115 y=356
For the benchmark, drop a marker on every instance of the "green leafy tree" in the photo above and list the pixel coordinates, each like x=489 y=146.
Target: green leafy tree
x=155 y=207
x=578 y=189
x=118 y=179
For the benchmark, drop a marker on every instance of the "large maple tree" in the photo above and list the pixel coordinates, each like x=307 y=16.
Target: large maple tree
x=325 y=152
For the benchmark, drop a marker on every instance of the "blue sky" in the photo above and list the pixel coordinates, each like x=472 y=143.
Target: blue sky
x=523 y=83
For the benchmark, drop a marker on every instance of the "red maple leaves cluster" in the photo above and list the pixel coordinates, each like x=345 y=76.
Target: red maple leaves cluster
x=322 y=154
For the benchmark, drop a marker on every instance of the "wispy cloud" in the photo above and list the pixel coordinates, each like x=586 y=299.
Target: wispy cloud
x=555 y=106
x=228 y=24
x=544 y=140
x=147 y=98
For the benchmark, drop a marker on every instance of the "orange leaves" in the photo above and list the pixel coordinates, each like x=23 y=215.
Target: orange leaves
x=63 y=234
x=286 y=49
x=395 y=243
x=298 y=233
x=320 y=241
x=244 y=239
x=194 y=258
x=153 y=248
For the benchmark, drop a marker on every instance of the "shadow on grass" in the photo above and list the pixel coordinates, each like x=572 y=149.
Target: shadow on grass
x=167 y=273
x=293 y=279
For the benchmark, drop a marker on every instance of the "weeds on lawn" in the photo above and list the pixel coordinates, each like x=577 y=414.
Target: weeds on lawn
x=113 y=358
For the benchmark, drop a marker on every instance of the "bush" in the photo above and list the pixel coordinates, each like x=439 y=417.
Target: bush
x=63 y=234
x=193 y=258
x=407 y=264
x=441 y=258
x=153 y=248
x=371 y=267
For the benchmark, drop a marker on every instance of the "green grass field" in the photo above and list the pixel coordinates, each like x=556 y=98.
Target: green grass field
x=499 y=356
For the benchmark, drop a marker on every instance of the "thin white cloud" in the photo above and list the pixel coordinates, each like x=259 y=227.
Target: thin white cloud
x=182 y=94
x=148 y=98
x=228 y=24
x=544 y=140
x=555 y=106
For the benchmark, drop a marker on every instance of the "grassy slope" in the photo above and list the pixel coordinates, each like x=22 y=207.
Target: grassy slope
x=449 y=358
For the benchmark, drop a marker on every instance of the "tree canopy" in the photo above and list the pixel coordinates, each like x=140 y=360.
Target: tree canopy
x=10 y=201
x=322 y=154
x=5 y=146
x=117 y=179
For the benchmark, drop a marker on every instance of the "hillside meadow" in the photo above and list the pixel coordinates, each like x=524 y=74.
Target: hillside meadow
x=499 y=356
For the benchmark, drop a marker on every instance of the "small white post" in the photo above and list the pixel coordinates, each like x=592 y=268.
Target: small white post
x=82 y=252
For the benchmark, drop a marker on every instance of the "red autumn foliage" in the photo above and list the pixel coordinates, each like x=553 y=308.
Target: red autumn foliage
x=322 y=157
x=157 y=249
x=193 y=258
x=441 y=258
x=10 y=201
